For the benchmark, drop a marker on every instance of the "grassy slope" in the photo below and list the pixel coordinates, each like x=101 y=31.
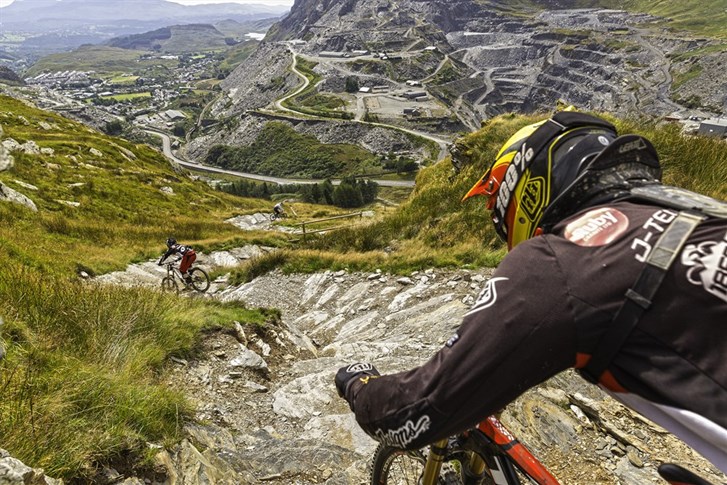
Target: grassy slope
x=97 y=58
x=80 y=379
x=700 y=17
x=703 y=17
x=281 y=151
x=121 y=204
x=191 y=38
x=433 y=228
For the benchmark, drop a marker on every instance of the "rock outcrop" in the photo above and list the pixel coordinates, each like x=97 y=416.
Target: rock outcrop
x=598 y=59
x=15 y=472
x=10 y=195
x=267 y=410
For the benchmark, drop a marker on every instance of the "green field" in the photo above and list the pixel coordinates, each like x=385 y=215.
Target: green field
x=123 y=79
x=128 y=96
x=699 y=17
x=703 y=17
x=281 y=151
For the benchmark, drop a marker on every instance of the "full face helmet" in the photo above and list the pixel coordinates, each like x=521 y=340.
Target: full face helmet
x=551 y=169
x=171 y=242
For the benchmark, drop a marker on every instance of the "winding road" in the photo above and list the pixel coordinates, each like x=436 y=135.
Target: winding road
x=167 y=150
x=441 y=142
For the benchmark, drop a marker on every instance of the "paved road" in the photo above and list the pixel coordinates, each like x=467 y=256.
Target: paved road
x=167 y=149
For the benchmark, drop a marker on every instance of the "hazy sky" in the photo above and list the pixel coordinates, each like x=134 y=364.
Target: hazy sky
x=287 y=3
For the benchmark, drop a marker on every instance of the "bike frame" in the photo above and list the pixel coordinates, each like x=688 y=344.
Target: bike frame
x=507 y=446
x=493 y=441
x=174 y=273
x=516 y=451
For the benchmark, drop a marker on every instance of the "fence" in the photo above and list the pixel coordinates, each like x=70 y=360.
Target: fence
x=304 y=232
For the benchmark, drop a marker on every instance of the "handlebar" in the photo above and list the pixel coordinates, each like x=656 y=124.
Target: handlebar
x=171 y=262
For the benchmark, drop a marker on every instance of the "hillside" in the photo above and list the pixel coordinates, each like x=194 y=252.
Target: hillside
x=440 y=68
x=96 y=194
x=99 y=59
x=7 y=76
x=703 y=18
x=79 y=361
x=274 y=410
x=176 y=39
x=36 y=28
x=697 y=17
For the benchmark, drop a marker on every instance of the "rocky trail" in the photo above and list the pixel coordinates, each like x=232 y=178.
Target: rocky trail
x=267 y=410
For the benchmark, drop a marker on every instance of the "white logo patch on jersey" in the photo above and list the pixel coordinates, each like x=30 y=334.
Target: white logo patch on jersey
x=707 y=265
x=401 y=437
x=360 y=367
x=597 y=227
x=487 y=297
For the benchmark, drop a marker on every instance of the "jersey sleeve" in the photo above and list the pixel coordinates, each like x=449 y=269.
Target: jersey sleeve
x=519 y=333
x=166 y=255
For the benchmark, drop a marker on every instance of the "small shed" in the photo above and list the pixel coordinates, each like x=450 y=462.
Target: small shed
x=332 y=54
x=414 y=94
x=713 y=127
x=174 y=115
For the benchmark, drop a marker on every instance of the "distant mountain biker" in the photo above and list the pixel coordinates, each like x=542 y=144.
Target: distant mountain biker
x=188 y=256
x=278 y=209
x=609 y=271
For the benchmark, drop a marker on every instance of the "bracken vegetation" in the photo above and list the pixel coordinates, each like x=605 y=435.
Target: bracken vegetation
x=434 y=228
x=279 y=150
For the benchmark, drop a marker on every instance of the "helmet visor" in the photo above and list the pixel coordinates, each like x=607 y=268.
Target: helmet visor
x=490 y=182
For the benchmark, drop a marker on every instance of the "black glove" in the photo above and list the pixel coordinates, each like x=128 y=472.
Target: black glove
x=346 y=376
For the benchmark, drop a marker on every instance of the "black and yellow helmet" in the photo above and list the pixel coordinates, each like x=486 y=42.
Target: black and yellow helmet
x=548 y=170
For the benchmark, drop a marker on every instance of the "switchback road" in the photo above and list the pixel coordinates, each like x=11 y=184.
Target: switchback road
x=167 y=150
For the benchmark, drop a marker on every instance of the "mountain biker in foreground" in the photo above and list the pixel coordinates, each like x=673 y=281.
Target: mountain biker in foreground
x=588 y=283
x=278 y=208
x=188 y=256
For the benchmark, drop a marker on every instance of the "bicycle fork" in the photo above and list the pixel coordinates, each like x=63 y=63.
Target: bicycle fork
x=433 y=466
x=474 y=471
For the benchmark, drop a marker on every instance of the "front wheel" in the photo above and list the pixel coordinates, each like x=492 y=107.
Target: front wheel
x=168 y=284
x=273 y=216
x=394 y=466
x=200 y=279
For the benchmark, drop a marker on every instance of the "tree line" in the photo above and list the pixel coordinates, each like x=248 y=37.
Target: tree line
x=350 y=193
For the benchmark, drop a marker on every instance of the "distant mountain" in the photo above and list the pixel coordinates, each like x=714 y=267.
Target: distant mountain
x=44 y=15
x=7 y=76
x=42 y=27
x=176 y=39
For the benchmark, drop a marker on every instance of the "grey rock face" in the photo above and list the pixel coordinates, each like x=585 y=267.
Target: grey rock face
x=15 y=472
x=6 y=160
x=597 y=59
x=284 y=423
x=10 y=195
x=357 y=317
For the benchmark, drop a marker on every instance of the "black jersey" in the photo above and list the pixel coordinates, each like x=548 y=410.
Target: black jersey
x=544 y=310
x=176 y=249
